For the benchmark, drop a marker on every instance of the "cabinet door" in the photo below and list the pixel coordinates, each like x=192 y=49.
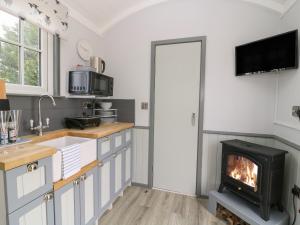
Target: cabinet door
x=105 y=173
x=127 y=165
x=88 y=197
x=67 y=205
x=118 y=173
x=37 y=212
x=28 y=182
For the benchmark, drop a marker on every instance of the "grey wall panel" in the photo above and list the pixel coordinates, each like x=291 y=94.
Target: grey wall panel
x=4 y=104
x=65 y=107
x=126 y=109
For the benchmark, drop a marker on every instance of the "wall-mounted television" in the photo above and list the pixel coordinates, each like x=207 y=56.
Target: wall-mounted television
x=275 y=53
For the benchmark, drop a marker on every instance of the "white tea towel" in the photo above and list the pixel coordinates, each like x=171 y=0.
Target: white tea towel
x=70 y=160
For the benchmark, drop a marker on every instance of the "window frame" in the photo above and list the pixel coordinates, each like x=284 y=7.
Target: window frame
x=46 y=63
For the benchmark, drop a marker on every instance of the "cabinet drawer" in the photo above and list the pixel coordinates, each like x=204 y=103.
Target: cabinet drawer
x=118 y=141
x=28 y=182
x=105 y=147
x=37 y=212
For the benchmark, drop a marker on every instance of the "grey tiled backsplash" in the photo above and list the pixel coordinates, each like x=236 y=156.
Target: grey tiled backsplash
x=65 y=107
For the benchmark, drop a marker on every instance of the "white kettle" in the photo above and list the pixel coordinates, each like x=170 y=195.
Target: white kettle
x=97 y=63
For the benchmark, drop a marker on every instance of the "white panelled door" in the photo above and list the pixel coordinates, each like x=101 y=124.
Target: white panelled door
x=177 y=86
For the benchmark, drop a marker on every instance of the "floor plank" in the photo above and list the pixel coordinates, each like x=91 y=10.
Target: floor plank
x=141 y=206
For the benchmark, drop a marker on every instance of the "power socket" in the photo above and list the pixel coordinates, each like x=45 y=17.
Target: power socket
x=296 y=191
x=296 y=111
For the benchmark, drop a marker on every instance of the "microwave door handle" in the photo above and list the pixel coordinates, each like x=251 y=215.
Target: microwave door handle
x=103 y=66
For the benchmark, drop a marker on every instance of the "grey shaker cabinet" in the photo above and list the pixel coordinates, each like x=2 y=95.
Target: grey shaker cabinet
x=38 y=212
x=28 y=182
x=76 y=203
x=67 y=204
x=105 y=184
x=115 y=172
x=89 y=192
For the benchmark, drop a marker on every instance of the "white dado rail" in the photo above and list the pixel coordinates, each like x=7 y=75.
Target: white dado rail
x=212 y=153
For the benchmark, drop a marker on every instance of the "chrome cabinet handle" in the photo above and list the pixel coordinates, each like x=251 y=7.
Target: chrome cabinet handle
x=114 y=155
x=83 y=177
x=48 y=197
x=32 y=167
x=193 y=119
x=100 y=164
x=76 y=182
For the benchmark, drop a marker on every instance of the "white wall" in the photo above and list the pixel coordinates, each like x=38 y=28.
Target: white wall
x=241 y=104
x=244 y=104
x=288 y=88
x=69 y=56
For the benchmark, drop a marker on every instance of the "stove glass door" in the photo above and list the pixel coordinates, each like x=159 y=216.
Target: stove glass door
x=242 y=169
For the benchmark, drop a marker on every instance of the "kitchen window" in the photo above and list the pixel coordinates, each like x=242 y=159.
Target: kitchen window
x=25 y=58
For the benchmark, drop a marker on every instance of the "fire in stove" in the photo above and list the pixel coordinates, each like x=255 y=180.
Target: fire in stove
x=242 y=169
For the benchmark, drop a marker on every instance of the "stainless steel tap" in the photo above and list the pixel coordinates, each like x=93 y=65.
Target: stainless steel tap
x=40 y=126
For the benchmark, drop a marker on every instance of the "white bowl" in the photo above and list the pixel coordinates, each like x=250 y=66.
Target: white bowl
x=106 y=105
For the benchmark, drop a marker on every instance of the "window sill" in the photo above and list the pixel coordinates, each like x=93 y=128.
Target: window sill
x=24 y=90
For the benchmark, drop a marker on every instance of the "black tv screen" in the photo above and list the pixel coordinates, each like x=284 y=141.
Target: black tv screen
x=276 y=53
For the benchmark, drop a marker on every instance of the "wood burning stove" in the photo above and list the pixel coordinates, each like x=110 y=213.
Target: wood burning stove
x=254 y=172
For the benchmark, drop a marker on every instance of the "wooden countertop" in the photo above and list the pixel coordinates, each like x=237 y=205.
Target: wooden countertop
x=2 y=90
x=96 y=132
x=18 y=155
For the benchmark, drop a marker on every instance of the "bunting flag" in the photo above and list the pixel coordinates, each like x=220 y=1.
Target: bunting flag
x=51 y=15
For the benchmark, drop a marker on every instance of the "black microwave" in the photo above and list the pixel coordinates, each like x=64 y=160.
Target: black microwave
x=90 y=83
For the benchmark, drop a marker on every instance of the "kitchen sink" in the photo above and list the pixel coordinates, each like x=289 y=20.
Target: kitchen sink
x=87 y=153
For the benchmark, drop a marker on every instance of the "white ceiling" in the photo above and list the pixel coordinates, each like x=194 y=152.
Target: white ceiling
x=100 y=15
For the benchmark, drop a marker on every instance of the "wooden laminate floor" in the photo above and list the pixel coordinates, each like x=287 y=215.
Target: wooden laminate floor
x=140 y=206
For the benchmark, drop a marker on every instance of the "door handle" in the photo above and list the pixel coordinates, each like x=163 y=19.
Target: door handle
x=48 y=197
x=76 y=182
x=193 y=119
x=83 y=177
x=32 y=167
